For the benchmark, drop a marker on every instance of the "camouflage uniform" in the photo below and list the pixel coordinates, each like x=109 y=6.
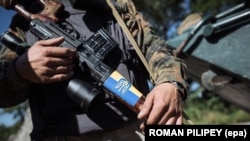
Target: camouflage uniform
x=165 y=66
x=13 y=89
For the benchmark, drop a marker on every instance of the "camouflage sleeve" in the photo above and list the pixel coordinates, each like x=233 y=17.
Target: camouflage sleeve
x=13 y=89
x=165 y=66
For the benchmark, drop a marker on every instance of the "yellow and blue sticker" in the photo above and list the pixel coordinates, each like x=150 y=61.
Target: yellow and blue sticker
x=122 y=88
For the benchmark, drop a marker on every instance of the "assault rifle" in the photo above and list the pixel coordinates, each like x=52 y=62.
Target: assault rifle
x=91 y=54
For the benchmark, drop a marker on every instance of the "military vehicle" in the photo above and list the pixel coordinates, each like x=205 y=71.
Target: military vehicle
x=217 y=53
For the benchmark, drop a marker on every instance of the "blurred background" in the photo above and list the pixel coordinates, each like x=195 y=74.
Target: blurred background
x=225 y=101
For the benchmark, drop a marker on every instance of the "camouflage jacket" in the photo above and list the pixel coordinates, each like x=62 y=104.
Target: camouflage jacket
x=164 y=65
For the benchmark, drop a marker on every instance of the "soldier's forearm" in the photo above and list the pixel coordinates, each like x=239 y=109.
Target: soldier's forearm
x=13 y=90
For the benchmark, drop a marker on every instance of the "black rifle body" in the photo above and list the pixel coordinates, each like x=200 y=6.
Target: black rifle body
x=91 y=54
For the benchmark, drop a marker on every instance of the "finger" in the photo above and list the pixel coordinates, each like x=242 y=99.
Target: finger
x=59 y=77
x=157 y=112
x=166 y=117
x=146 y=107
x=142 y=126
x=55 y=62
x=171 y=111
x=58 y=52
x=53 y=49
x=51 y=42
x=62 y=69
x=171 y=121
x=57 y=69
x=172 y=117
x=179 y=120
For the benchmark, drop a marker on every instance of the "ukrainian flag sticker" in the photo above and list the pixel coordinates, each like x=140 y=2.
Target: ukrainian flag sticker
x=122 y=88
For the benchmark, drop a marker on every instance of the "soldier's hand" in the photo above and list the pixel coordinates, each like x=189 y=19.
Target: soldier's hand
x=162 y=106
x=46 y=62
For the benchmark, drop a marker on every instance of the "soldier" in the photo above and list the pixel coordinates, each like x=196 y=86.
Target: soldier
x=42 y=73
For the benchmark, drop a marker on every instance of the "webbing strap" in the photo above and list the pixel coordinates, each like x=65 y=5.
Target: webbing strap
x=131 y=39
